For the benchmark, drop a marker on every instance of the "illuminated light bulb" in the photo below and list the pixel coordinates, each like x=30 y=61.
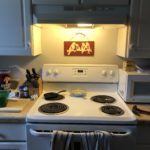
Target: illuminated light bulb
x=84 y=25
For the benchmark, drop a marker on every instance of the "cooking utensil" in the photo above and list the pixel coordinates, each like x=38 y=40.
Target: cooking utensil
x=35 y=75
x=52 y=95
x=139 y=111
x=28 y=73
x=28 y=78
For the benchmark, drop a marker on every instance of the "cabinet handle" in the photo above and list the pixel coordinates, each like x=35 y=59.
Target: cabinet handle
x=2 y=137
x=29 y=44
x=40 y=133
x=121 y=134
x=81 y=1
x=132 y=46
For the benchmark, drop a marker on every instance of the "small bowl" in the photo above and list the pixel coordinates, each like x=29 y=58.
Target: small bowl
x=78 y=93
x=3 y=98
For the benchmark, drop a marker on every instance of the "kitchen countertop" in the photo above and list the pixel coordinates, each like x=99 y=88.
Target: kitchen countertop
x=25 y=105
x=143 y=118
x=15 y=111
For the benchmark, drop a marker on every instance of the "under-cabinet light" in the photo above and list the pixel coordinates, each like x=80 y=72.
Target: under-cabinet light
x=80 y=25
x=84 y=25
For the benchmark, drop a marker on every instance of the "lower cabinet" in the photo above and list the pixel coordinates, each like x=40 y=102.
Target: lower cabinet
x=13 y=136
x=13 y=146
x=143 y=147
x=143 y=137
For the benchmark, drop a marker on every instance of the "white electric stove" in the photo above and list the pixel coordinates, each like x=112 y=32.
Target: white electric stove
x=99 y=81
x=90 y=102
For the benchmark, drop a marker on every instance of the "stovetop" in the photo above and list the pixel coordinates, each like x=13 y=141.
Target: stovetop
x=81 y=110
x=95 y=80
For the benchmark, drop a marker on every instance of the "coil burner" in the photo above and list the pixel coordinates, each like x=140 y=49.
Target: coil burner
x=53 y=96
x=112 y=110
x=51 y=108
x=103 y=99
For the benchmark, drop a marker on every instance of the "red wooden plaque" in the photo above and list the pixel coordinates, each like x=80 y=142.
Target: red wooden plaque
x=79 y=48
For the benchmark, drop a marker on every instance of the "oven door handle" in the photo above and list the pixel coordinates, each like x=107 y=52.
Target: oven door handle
x=49 y=133
x=40 y=133
x=121 y=134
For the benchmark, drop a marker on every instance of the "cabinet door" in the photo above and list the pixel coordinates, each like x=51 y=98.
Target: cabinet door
x=143 y=137
x=13 y=146
x=14 y=27
x=143 y=147
x=139 y=29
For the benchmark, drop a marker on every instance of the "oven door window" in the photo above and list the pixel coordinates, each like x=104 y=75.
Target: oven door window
x=141 y=89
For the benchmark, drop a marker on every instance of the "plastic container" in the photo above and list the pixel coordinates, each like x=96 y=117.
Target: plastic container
x=3 y=98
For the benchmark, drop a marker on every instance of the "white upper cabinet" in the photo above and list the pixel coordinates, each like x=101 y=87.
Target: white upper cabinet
x=137 y=41
x=16 y=32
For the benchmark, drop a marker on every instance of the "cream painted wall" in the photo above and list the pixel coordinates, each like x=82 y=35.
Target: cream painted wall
x=53 y=37
x=105 y=45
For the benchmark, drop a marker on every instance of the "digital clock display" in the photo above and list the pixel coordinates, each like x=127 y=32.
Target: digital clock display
x=80 y=71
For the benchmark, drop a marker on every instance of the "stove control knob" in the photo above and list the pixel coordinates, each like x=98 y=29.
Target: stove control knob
x=56 y=72
x=112 y=73
x=104 y=73
x=49 y=72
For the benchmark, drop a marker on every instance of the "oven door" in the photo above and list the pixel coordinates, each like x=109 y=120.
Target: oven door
x=39 y=135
